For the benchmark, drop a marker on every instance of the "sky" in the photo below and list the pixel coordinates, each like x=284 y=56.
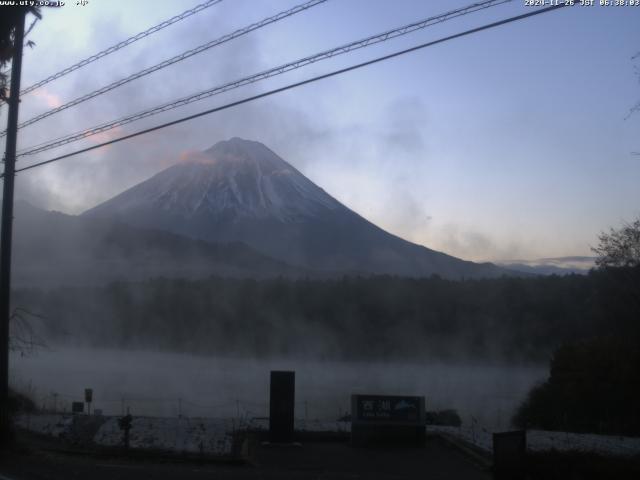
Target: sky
x=512 y=143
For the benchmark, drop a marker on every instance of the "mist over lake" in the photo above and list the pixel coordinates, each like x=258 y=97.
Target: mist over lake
x=166 y=384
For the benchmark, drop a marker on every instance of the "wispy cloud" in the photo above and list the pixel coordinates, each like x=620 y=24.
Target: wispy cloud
x=47 y=98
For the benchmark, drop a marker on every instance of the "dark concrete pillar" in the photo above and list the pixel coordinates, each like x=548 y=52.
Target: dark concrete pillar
x=281 y=406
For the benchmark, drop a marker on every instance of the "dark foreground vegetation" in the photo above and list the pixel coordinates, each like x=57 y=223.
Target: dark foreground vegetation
x=594 y=382
x=594 y=387
x=20 y=403
x=378 y=318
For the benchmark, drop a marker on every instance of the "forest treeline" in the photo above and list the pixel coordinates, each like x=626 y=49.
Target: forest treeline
x=379 y=317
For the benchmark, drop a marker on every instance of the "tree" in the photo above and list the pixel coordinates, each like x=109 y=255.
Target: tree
x=593 y=387
x=636 y=107
x=619 y=247
x=618 y=257
x=24 y=338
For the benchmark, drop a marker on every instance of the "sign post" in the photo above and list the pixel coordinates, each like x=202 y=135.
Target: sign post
x=77 y=407
x=88 y=397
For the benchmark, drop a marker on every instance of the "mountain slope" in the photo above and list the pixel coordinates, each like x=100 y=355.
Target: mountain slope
x=239 y=190
x=51 y=248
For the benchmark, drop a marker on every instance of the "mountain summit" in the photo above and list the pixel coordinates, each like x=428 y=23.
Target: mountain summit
x=235 y=178
x=240 y=190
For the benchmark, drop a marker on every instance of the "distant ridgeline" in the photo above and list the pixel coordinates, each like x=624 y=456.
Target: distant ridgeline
x=377 y=317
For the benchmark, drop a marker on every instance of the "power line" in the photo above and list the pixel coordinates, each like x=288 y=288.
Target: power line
x=298 y=84
x=272 y=72
x=264 y=75
x=122 y=44
x=178 y=58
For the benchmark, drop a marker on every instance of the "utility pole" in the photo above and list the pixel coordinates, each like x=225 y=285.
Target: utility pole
x=7 y=226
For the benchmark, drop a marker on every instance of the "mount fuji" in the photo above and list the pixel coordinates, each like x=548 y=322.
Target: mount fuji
x=240 y=190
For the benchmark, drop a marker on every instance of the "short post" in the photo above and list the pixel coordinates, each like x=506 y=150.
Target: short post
x=88 y=398
x=509 y=454
x=125 y=425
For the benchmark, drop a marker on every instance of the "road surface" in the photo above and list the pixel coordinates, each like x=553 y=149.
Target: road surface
x=310 y=461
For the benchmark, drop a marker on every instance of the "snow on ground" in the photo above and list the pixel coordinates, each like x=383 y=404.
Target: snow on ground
x=322 y=426
x=210 y=436
x=214 y=436
x=539 y=440
x=46 y=424
x=301 y=425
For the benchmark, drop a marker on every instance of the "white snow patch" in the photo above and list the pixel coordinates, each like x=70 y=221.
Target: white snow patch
x=302 y=425
x=214 y=436
x=540 y=440
x=210 y=436
x=46 y=424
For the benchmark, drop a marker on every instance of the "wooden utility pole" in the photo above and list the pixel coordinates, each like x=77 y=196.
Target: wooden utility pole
x=6 y=231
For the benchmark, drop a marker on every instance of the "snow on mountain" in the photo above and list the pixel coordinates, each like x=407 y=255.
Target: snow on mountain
x=240 y=190
x=236 y=177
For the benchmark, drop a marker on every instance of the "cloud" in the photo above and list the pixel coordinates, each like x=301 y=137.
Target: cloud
x=194 y=156
x=408 y=121
x=77 y=183
x=471 y=244
x=51 y=100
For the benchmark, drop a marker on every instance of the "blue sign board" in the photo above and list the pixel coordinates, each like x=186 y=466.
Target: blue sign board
x=404 y=410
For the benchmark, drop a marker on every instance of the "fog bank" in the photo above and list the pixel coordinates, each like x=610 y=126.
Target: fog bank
x=167 y=384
